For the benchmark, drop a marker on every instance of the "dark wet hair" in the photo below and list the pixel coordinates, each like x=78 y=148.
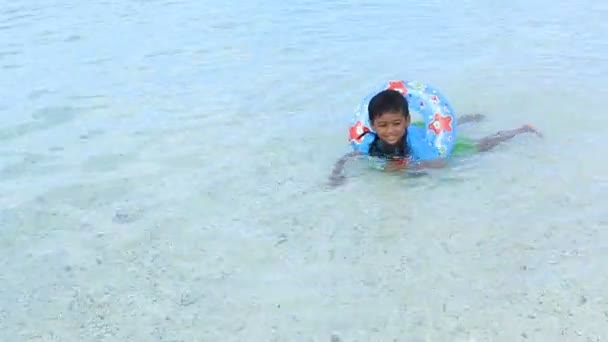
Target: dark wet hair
x=387 y=101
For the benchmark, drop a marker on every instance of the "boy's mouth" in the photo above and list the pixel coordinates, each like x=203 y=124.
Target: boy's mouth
x=392 y=140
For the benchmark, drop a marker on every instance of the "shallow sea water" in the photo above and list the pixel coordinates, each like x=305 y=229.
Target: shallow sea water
x=163 y=170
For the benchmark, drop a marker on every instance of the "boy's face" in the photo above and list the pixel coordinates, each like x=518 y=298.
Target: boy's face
x=391 y=126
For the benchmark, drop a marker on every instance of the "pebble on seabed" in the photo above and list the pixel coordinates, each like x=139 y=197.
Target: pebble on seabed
x=123 y=216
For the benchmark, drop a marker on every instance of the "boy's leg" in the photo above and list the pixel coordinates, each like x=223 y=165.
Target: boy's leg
x=470 y=118
x=487 y=143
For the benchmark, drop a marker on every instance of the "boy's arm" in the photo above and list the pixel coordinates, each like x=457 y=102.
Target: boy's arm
x=426 y=157
x=429 y=164
x=336 y=178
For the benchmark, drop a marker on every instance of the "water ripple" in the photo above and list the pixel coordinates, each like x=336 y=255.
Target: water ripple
x=45 y=118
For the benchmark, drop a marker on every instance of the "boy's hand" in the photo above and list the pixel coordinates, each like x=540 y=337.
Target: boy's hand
x=395 y=165
x=336 y=180
x=532 y=129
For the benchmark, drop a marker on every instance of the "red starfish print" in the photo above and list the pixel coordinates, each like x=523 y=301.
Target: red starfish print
x=398 y=86
x=441 y=123
x=357 y=131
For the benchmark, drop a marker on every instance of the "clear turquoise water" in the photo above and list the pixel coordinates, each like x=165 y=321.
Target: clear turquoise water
x=163 y=169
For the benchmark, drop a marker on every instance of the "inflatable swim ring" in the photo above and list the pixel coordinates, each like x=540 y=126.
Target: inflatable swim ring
x=425 y=102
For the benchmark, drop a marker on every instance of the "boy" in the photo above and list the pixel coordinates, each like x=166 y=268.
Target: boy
x=399 y=142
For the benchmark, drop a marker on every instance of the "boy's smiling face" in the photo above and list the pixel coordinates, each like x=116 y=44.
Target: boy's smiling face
x=390 y=126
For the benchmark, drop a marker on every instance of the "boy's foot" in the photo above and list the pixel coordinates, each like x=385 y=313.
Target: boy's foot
x=531 y=129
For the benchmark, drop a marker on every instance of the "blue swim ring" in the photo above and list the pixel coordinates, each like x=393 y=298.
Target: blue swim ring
x=425 y=102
